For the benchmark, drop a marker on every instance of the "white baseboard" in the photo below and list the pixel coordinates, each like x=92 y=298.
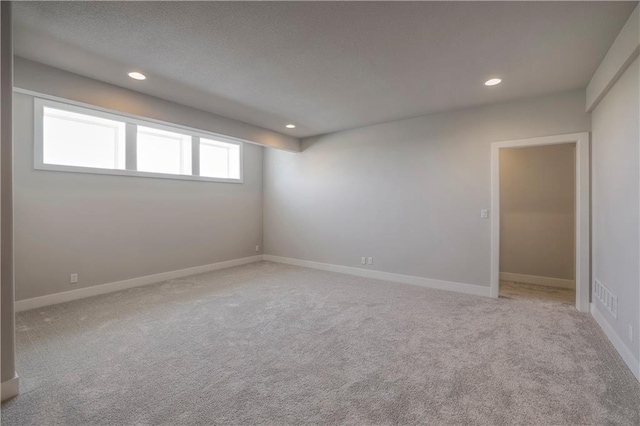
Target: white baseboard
x=10 y=388
x=623 y=350
x=81 y=293
x=386 y=276
x=534 y=279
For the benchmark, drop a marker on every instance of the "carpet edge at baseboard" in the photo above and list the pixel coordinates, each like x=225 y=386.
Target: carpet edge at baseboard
x=537 y=280
x=617 y=342
x=82 y=293
x=473 y=289
x=10 y=388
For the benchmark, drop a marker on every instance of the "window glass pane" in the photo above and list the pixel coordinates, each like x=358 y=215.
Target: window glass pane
x=219 y=159
x=82 y=137
x=73 y=139
x=160 y=151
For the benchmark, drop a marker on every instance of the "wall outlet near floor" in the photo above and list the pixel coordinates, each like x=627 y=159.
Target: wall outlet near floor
x=73 y=279
x=257 y=248
x=606 y=297
x=366 y=260
x=484 y=214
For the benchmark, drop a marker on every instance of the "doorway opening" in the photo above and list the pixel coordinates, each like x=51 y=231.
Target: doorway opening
x=540 y=222
x=537 y=223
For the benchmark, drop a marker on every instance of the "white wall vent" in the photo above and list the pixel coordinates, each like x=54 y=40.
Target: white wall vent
x=606 y=297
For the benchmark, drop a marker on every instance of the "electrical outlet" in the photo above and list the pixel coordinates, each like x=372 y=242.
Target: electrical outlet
x=257 y=248
x=369 y=260
x=74 y=278
x=484 y=214
x=363 y=260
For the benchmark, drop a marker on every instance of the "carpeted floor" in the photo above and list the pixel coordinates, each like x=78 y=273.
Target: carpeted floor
x=273 y=344
x=515 y=290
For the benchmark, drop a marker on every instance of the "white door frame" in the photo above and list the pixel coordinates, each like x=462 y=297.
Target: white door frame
x=582 y=234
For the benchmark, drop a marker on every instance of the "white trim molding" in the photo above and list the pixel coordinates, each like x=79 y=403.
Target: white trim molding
x=476 y=290
x=583 y=233
x=618 y=344
x=10 y=388
x=131 y=123
x=537 y=280
x=81 y=293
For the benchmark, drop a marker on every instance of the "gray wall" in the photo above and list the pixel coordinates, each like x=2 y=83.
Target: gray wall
x=537 y=211
x=110 y=228
x=6 y=228
x=41 y=78
x=616 y=200
x=408 y=192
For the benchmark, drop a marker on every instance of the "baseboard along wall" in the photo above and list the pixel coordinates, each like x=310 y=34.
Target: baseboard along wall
x=534 y=279
x=81 y=293
x=476 y=290
x=616 y=340
x=9 y=388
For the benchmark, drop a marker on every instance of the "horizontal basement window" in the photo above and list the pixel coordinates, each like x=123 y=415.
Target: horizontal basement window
x=160 y=151
x=71 y=138
x=219 y=159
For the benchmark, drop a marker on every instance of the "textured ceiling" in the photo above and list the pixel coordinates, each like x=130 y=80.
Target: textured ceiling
x=325 y=66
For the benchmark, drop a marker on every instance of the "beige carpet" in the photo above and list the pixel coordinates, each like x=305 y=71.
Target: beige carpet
x=274 y=344
x=516 y=290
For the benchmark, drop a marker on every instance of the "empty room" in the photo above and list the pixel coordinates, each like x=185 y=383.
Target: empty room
x=285 y=213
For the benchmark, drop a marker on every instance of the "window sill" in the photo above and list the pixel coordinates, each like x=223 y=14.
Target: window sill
x=130 y=173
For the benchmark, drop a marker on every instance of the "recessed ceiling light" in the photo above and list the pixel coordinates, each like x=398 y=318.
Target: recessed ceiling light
x=137 y=75
x=493 y=82
x=290 y=126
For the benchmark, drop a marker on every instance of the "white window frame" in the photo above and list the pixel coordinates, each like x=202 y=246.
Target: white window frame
x=119 y=144
x=131 y=123
x=213 y=142
x=188 y=142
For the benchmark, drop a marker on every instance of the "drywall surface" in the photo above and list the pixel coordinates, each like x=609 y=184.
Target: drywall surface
x=407 y=193
x=616 y=201
x=537 y=211
x=110 y=228
x=7 y=331
x=623 y=51
x=37 y=77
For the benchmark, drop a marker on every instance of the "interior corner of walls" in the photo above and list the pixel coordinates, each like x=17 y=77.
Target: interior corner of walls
x=537 y=280
x=472 y=289
x=10 y=388
x=96 y=290
x=624 y=50
x=618 y=343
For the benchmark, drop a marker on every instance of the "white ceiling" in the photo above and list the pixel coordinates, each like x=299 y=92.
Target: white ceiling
x=325 y=66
